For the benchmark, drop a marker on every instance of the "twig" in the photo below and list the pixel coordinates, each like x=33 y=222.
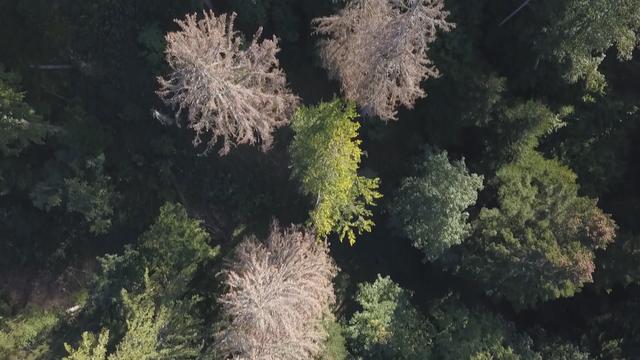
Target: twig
x=514 y=12
x=52 y=67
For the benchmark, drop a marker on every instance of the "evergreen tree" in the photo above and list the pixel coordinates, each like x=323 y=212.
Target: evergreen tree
x=429 y=208
x=539 y=243
x=577 y=34
x=388 y=326
x=20 y=126
x=463 y=333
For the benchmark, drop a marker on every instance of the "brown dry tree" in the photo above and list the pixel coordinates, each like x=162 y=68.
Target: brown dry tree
x=278 y=293
x=230 y=90
x=377 y=49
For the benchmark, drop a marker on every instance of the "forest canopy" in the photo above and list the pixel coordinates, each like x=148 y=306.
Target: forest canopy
x=211 y=179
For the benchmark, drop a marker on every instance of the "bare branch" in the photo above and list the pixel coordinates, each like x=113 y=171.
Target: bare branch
x=278 y=293
x=514 y=12
x=378 y=50
x=230 y=91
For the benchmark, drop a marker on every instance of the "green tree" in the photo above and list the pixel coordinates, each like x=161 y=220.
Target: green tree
x=560 y=351
x=144 y=322
x=335 y=346
x=597 y=142
x=388 y=326
x=26 y=335
x=74 y=179
x=174 y=246
x=170 y=250
x=429 y=208
x=325 y=156
x=89 y=348
x=577 y=34
x=462 y=333
x=517 y=129
x=152 y=328
x=20 y=126
x=539 y=243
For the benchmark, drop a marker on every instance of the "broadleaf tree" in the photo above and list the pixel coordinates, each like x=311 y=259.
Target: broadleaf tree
x=325 y=156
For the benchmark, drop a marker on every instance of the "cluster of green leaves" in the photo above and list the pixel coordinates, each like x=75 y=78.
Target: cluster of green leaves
x=577 y=34
x=20 y=126
x=25 y=336
x=429 y=208
x=154 y=330
x=149 y=286
x=335 y=346
x=81 y=159
x=473 y=334
x=58 y=169
x=539 y=243
x=325 y=156
x=389 y=327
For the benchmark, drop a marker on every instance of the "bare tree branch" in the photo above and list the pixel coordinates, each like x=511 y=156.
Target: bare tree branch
x=230 y=91
x=378 y=50
x=514 y=12
x=277 y=295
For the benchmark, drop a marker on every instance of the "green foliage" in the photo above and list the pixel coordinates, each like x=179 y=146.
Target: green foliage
x=92 y=199
x=84 y=169
x=20 y=126
x=90 y=347
x=614 y=333
x=171 y=250
x=75 y=177
x=151 y=38
x=335 y=346
x=462 y=333
x=26 y=336
x=86 y=191
x=156 y=328
x=116 y=272
x=429 y=208
x=578 y=33
x=325 y=156
x=620 y=264
x=596 y=142
x=559 y=351
x=538 y=243
x=144 y=322
x=174 y=246
x=518 y=129
x=388 y=326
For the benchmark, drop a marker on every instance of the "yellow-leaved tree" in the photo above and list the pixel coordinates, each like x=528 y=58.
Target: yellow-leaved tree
x=325 y=156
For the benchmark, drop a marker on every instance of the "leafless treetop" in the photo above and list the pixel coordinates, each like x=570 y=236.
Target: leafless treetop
x=378 y=49
x=277 y=295
x=230 y=90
